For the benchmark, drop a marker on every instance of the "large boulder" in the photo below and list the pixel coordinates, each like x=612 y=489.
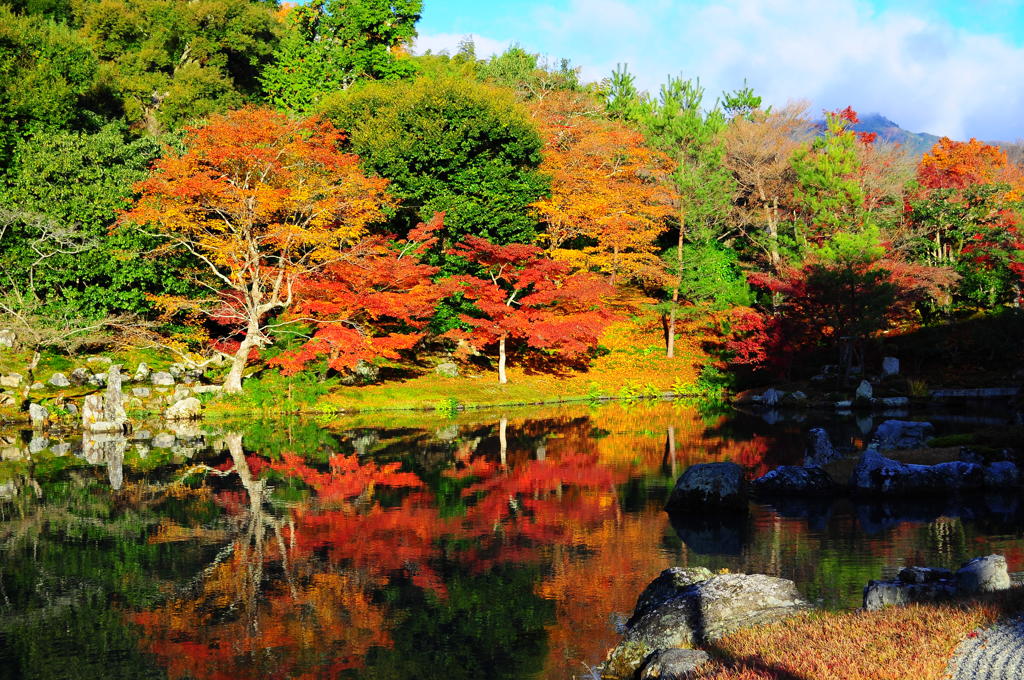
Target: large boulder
x=876 y=474
x=669 y=584
x=59 y=380
x=363 y=373
x=12 y=380
x=447 y=369
x=186 y=409
x=864 y=392
x=80 y=376
x=703 y=484
x=674 y=664
x=890 y=366
x=902 y=434
x=983 y=575
x=882 y=594
x=960 y=476
x=704 y=612
x=1002 y=474
x=39 y=415
x=787 y=479
x=819 y=448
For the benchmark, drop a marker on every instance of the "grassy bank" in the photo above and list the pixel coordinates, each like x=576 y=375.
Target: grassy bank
x=899 y=643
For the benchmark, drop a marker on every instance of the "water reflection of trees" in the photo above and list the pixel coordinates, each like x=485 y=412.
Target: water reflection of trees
x=477 y=547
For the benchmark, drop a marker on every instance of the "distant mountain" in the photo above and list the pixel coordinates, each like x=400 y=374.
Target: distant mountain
x=916 y=143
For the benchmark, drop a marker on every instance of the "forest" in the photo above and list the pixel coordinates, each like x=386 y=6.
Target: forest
x=288 y=194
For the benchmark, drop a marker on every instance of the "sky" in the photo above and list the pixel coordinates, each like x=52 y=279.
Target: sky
x=947 y=67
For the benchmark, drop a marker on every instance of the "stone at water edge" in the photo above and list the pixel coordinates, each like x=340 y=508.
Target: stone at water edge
x=1002 y=474
x=702 y=613
x=674 y=664
x=903 y=434
x=787 y=479
x=59 y=380
x=771 y=397
x=669 y=584
x=890 y=366
x=983 y=575
x=716 y=484
x=164 y=440
x=186 y=409
x=113 y=406
x=819 y=448
x=864 y=391
x=38 y=414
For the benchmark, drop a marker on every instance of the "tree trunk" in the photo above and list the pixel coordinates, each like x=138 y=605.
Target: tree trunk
x=502 y=378
x=233 y=383
x=503 y=441
x=670 y=340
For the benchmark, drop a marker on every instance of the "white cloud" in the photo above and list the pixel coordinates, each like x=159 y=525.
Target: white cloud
x=920 y=71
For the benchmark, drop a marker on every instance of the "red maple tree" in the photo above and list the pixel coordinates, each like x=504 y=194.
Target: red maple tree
x=525 y=298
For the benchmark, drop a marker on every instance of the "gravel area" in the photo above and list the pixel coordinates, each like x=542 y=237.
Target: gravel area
x=996 y=653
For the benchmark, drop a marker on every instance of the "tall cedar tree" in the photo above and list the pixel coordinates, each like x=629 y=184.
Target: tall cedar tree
x=373 y=304
x=262 y=202
x=525 y=299
x=610 y=193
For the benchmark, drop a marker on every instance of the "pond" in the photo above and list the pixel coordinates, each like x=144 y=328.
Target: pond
x=498 y=544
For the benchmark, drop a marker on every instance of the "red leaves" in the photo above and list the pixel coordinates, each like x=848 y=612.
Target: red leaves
x=528 y=298
x=372 y=304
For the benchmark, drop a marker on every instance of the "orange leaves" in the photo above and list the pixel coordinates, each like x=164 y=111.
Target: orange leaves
x=609 y=192
x=956 y=165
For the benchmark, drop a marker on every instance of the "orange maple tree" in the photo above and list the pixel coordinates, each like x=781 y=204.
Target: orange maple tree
x=524 y=297
x=956 y=165
x=261 y=202
x=610 y=194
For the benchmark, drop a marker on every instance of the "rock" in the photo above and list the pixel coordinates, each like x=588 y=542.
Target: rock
x=164 y=440
x=363 y=373
x=92 y=409
x=797 y=397
x=71 y=409
x=162 y=378
x=844 y=405
x=142 y=435
x=705 y=612
x=669 y=584
x=39 y=415
x=892 y=402
x=36 y=386
x=902 y=434
x=207 y=389
x=98 y=380
x=80 y=376
x=7 y=338
x=59 y=380
x=105 y=426
x=716 y=484
x=976 y=393
x=864 y=391
x=62 y=449
x=113 y=406
x=960 y=476
x=923 y=574
x=881 y=594
x=447 y=369
x=787 y=479
x=141 y=392
x=37 y=444
x=674 y=664
x=890 y=366
x=1001 y=475
x=880 y=475
x=983 y=575
x=12 y=380
x=99 y=361
x=186 y=409
x=819 y=448
x=771 y=397
x=141 y=373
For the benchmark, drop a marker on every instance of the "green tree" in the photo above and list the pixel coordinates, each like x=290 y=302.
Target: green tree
x=60 y=198
x=331 y=44
x=527 y=74
x=447 y=145
x=828 y=190
x=166 y=63
x=679 y=124
x=46 y=75
x=709 y=276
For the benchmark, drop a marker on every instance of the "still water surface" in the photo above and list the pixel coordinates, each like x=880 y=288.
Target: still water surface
x=491 y=545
